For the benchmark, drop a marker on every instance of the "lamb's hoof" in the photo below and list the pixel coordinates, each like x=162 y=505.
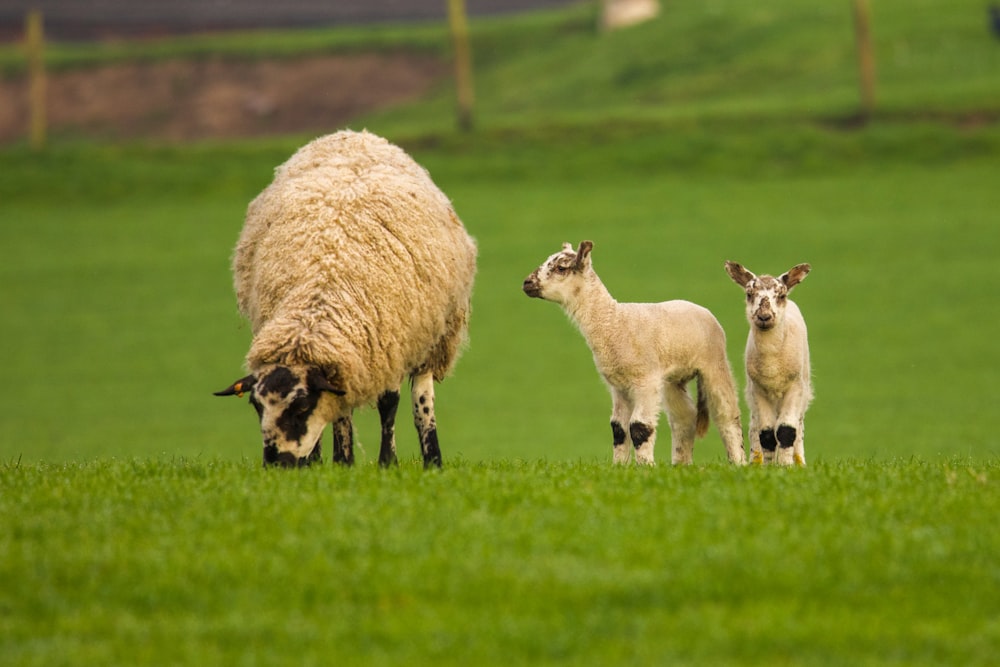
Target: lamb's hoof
x=757 y=458
x=799 y=461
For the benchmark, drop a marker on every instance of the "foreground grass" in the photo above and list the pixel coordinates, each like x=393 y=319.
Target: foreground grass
x=183 y=561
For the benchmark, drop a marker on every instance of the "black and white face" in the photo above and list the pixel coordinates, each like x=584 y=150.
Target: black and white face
x=294 y=405
x=556 y=279
x=767 y=296
x=766 y=299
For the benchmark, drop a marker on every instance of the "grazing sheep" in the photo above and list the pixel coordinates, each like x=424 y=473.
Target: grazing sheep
x=354 y=272
x=779 y=386
x=647 y=353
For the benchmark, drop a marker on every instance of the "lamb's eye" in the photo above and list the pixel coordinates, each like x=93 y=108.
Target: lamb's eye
x=781 y=297
x=561 y=269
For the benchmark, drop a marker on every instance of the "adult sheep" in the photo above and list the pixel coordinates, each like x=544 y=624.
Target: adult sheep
x=354 y=272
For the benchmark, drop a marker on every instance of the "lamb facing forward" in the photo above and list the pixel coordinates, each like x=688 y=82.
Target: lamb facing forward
x=354 y=272
x=779 y=386
x=647 y=353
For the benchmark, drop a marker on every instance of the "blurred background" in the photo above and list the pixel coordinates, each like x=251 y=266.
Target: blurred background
x=859 y=136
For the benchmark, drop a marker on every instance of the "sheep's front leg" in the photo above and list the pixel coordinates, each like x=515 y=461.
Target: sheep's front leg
x=343 y=441
x=423 y=418
x=388 y=402
x=789 y=430
x=763 y=416
x=642 y=423
x=621 y=412
x=683 y=418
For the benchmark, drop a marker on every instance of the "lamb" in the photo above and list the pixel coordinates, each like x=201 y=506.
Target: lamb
x=647 y=353
x=779 y=386
x=354 y=272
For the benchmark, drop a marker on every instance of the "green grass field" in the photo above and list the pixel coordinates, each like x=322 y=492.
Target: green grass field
x=504 y=563
x=139 y=528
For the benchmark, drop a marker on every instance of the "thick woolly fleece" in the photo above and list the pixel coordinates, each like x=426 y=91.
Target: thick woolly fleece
x=352 y=260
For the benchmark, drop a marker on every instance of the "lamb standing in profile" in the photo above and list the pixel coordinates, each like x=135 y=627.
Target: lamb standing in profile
x=779 y=386
x=647 y=353
x=354 y=272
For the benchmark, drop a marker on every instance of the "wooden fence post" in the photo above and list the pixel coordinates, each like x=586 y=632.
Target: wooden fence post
x=463 y=62
x=866 y=56
x=35 y=50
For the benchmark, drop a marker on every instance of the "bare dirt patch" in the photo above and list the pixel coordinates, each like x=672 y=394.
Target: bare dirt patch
x=189 y=100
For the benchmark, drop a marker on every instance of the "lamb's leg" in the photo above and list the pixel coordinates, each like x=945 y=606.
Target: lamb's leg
x=423 y=418
x=343 y=441
x=387 y=404
x=683 y=418
x=724 y=407
x=789 y=422
x=763 y=440
x=642 y=422
x=799 y=448
x=621 y=441
x=791 y=443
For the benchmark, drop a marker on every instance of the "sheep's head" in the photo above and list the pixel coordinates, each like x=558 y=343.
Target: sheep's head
x=557 y=277
x=294 y=405
x=767 y=296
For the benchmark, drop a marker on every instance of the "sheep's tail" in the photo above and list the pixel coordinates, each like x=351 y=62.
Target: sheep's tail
x=701 y=424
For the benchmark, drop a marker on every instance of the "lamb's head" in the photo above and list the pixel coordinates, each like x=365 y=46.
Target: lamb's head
x=767 y=296
x=294 y=404
x=559 y=276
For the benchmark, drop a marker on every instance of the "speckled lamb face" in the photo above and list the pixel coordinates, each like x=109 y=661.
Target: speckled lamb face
x=556 y=278
x=294 y=406
x=766 y=295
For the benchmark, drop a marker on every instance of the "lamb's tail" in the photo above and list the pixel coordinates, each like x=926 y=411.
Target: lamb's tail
x=701 y=425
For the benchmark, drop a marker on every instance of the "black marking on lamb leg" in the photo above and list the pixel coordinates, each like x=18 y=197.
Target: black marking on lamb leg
x=343 y=441
x=617 y=434
x=786 y=436
x=767 y=441
x=640 y=433
x=387 y=404
x=431 y=449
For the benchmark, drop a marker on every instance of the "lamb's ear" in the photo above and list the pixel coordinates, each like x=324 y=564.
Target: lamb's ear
x=318 y=381
x=740 y=276
x=239 y=387
x=567 y=246
x=583 y=254
x=795 y=275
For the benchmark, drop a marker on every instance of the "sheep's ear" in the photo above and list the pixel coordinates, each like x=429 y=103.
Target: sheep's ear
x=583 y=254
x=740 y=276
x=239 y=387
x=318 y=381
x=795 y=275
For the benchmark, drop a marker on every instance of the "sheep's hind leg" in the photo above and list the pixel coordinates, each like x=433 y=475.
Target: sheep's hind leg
x=343 y=441
x=387 y=404
x=422 y=394
x=683 y=418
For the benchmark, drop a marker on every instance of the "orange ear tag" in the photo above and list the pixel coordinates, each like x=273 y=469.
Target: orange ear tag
x=238 y=388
